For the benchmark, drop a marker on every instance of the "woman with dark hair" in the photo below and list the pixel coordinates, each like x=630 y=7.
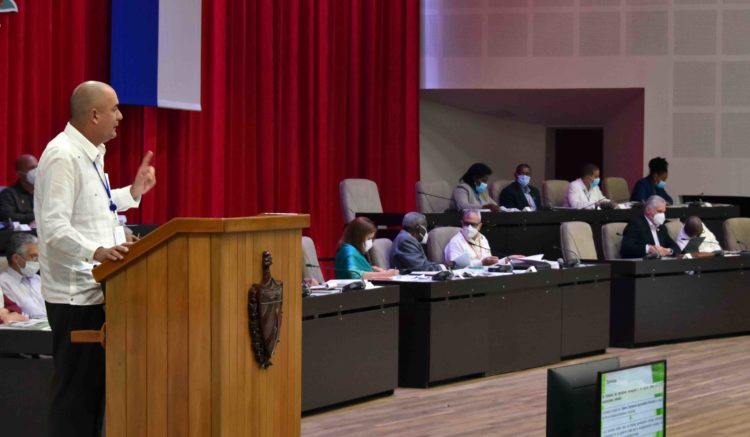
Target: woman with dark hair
x=352 y=260
x=653 y=184
x=471 y=191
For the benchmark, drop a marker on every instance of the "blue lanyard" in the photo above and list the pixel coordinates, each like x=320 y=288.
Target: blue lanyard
x=112 y=206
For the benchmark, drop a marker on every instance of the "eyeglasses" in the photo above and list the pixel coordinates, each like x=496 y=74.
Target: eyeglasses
x=473 y=225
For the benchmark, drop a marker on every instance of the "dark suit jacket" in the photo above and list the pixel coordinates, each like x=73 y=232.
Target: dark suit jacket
x=644 y=188
x=408 y=255
x=637 y=235
x=16 y=204
x=512 y=197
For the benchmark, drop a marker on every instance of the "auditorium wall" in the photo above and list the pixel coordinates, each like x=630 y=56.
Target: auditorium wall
x=691 y=57
x=451 y=139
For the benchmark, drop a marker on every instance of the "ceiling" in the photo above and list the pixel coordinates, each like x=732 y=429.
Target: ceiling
x=551 y=107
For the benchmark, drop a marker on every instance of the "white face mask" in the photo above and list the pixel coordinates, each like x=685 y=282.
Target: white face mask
x=424 y=239
x=470 y=232
x=659 y=218
x=31 y=268
x=368 y=245
x=31 y=176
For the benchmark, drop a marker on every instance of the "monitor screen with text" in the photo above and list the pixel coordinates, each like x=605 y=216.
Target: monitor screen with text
x=633 y=401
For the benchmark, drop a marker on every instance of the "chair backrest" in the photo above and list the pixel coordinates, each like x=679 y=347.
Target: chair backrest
x=554 y=192
x=737 y=233
x=3 y=265
x=310 y=256
x=358 y=195
x=497 y=187
x=436 y=199
x=577 y=240
x=380 y=254
x=673 y=228
x=436 y=242
x=611 y=242
x=616 y=189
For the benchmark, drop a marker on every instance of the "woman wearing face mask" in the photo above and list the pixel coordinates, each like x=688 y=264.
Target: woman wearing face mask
x=647 y=235
x=352 y=259
x=584 y=192
x=653 y=184
x=471 y=191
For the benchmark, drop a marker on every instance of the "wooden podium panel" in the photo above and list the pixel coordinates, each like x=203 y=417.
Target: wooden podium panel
x=179 y=355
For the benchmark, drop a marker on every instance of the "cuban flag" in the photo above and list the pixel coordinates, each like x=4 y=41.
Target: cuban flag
x=156 y=53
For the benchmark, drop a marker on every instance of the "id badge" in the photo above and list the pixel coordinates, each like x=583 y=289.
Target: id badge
x=120 y=235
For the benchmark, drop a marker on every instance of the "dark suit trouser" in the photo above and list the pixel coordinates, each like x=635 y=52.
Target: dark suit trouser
x=77 y=393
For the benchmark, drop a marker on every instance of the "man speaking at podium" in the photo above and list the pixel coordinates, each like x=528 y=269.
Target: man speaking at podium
x=76 y=216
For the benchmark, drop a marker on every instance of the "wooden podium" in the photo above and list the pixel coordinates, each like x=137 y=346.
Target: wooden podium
x=178 y=346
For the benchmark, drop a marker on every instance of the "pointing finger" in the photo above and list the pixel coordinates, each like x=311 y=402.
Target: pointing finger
x=147 y=159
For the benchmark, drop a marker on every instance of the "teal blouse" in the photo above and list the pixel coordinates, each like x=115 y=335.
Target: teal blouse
x=350 y=260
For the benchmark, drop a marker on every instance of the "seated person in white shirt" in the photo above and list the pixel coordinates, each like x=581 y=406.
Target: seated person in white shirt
x=694 y=228
x=470 y=242
x=20 y=282
x=584 y=192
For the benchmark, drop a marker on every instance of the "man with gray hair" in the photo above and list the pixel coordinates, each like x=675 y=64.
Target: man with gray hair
x=407 y=253
x=647 y=235
x=21 y=282
x=469 y=247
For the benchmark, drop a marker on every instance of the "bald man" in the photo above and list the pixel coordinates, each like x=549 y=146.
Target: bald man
x=76 y=216
x=17 y=201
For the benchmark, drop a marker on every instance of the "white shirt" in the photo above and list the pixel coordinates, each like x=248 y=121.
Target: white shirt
x=73 y=217
x=458 y=246
x=25 y=292
x=581 y=197
x=709 y=240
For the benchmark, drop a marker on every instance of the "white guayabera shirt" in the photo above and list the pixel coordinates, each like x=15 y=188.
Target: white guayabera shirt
x=73 y=217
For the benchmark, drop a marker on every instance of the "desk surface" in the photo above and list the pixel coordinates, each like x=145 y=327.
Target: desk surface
x=646 y=267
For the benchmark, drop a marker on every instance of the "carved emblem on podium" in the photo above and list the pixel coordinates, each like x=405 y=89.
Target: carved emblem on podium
x=264 y=302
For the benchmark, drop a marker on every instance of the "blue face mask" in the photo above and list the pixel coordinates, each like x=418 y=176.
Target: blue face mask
x=523 y=180
x=595 y=182
x=661 y=184
x=481 y=188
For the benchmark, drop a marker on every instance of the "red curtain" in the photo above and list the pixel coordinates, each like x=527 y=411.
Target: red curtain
x=296 y=95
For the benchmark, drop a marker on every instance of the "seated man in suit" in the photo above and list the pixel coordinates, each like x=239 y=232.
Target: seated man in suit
x=653 y=184
x=694 y=228
x=584 y=192
x=17 y=201
x=647 y=234
x=521 y=194
x=407 y=253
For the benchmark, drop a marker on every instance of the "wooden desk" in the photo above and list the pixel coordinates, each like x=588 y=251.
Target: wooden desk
x=349 y=346
x=480 y=326
x=657 y=300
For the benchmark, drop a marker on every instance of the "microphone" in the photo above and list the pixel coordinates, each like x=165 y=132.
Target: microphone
x=434 y=195
x=356 y=285
x=479 y=245
x=572 y=262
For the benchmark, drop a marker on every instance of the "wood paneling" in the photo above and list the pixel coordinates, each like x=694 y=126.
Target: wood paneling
x=708 y=394
x=180 y=362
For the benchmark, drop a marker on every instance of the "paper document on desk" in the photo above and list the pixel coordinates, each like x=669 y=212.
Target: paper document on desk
x=538 y=257
x=31 y=325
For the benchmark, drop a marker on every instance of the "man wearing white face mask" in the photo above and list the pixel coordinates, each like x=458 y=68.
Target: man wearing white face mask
x=647 y=234
x=21 y=282
x=469 y=243
x=407 y=253
x=584 y=192
x=17 y=201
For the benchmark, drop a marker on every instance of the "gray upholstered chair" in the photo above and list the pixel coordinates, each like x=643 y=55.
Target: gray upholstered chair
x=358 y=195
x=436 y=242
x=436 y=198
x=496 y=187
x=737 y=233
x=577 y=240
x=674 y=227
x=611 y=241
x=310 y=256
x=554 y=192
x=616 y=189
x=380 y=254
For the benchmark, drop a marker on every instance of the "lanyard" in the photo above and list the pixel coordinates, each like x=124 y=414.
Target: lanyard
x=112 y=206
